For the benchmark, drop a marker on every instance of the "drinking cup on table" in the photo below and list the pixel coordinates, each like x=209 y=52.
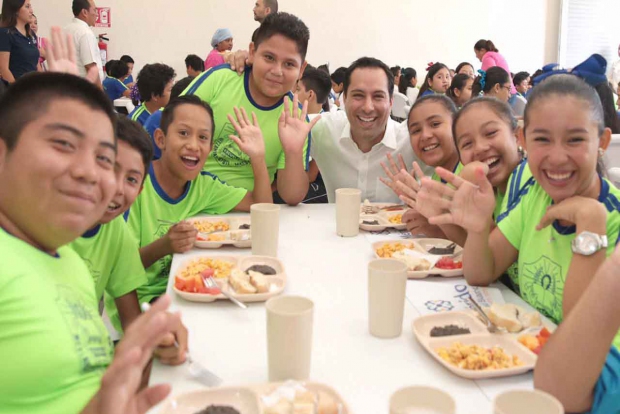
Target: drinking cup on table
x=289 y=337
x=387 y=282
x=348 y=201
x=422 y=400
x=527 y=401
x=265 y=228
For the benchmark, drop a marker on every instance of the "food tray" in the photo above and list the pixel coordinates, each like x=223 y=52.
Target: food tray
x=382 y=217
x=479 y=336
x=245 y=399
x=422 y=246
x=277 y=281
x=233 y=237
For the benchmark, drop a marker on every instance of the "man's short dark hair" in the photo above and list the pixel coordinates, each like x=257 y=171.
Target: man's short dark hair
x=180 y=86
x=168 y=115
x=272 y=4
x=152 y=80
x=29 y=98
x=195 y=62
x=118 y=69
x=520 y=77
x=365 y=63
x=127 y=59
x=339 y=75
x=317 y=81
x=287 y=25
x=133 y=134
x=78 y=6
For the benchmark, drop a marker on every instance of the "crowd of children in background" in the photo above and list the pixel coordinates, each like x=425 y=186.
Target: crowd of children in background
x=84 y=192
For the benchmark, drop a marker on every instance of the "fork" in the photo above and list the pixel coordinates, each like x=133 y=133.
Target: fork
x=212 y=284
x=195 y=368
x=491 y=327
x=368 y=209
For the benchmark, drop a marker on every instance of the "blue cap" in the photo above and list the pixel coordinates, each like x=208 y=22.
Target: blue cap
x=220 y=35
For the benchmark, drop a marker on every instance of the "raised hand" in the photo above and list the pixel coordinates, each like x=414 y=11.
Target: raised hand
x=418 y=224
x=393 y=172
x=237 y=60
x=250 y=139
x=292 y=126
x=61 y=56
x=468 y=205
x=119 y=392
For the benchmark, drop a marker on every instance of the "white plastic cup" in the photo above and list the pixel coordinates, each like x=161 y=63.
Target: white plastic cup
x=387 y=282
x=348 y=202
x=265 y=229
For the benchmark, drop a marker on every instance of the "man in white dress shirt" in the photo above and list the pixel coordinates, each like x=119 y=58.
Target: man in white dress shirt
x=84 y=40
x=350 y=145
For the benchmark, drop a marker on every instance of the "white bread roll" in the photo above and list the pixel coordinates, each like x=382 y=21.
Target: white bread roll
x=259 y=282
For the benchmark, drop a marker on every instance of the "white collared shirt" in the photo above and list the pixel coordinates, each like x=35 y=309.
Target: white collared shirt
x=86 y=46
x=344 y=165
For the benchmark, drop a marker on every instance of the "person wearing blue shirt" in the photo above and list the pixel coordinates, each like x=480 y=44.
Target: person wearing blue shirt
x=19 y=53
x=152 y=123
x=578 y=365
x=155 y=83
x=130 y=62
x=113 y=84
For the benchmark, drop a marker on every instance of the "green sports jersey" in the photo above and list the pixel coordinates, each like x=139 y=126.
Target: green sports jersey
x=205 y=195
x=456 y=171
x=224 y=89
x=545 y=255
x=54 y=343
x=111 y=253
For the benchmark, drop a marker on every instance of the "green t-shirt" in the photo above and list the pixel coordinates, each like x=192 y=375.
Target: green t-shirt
x=224 y=89
x=545 y=255
x=111 y=253
x=55 y=346
x=456 y=171
x=205 y=195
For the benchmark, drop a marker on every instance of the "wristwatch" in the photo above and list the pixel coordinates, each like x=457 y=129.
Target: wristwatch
x=587 y=243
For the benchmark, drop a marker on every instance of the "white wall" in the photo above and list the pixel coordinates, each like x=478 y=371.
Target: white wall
x=404 y=32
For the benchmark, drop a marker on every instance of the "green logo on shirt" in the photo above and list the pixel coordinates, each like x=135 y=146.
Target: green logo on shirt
x=226 y=152
x=542 y=285
x=91 y=340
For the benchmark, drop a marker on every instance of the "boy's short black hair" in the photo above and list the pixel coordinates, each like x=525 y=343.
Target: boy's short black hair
x=127 y=59
x=108 y=66
x=287 y=25
x=339 y=75
x=78 y=6
x=317 y=81
x=395 y=70
x=180 y=86
x=368 y=62
x=152 y=80
x=520 y=77
x=168 y=116
x=137 y=138
x=29 y=98
x=118 y=69
x=195 y=62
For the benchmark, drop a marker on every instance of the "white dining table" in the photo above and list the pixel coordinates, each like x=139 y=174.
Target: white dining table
x=124 y=103
x=332 y=272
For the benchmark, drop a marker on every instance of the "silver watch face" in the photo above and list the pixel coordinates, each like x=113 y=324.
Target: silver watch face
x=586 y=244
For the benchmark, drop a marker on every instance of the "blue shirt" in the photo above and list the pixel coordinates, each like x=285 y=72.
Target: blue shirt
x=140 y=114
x=128 y=80
x=151 y=125
x=607 y=391
x=113 y=88
x=24 y=54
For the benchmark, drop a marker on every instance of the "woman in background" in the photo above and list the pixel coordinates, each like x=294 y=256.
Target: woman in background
x=221 y=42
x=487 y=53
x=18 y=45
x=408 y=83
